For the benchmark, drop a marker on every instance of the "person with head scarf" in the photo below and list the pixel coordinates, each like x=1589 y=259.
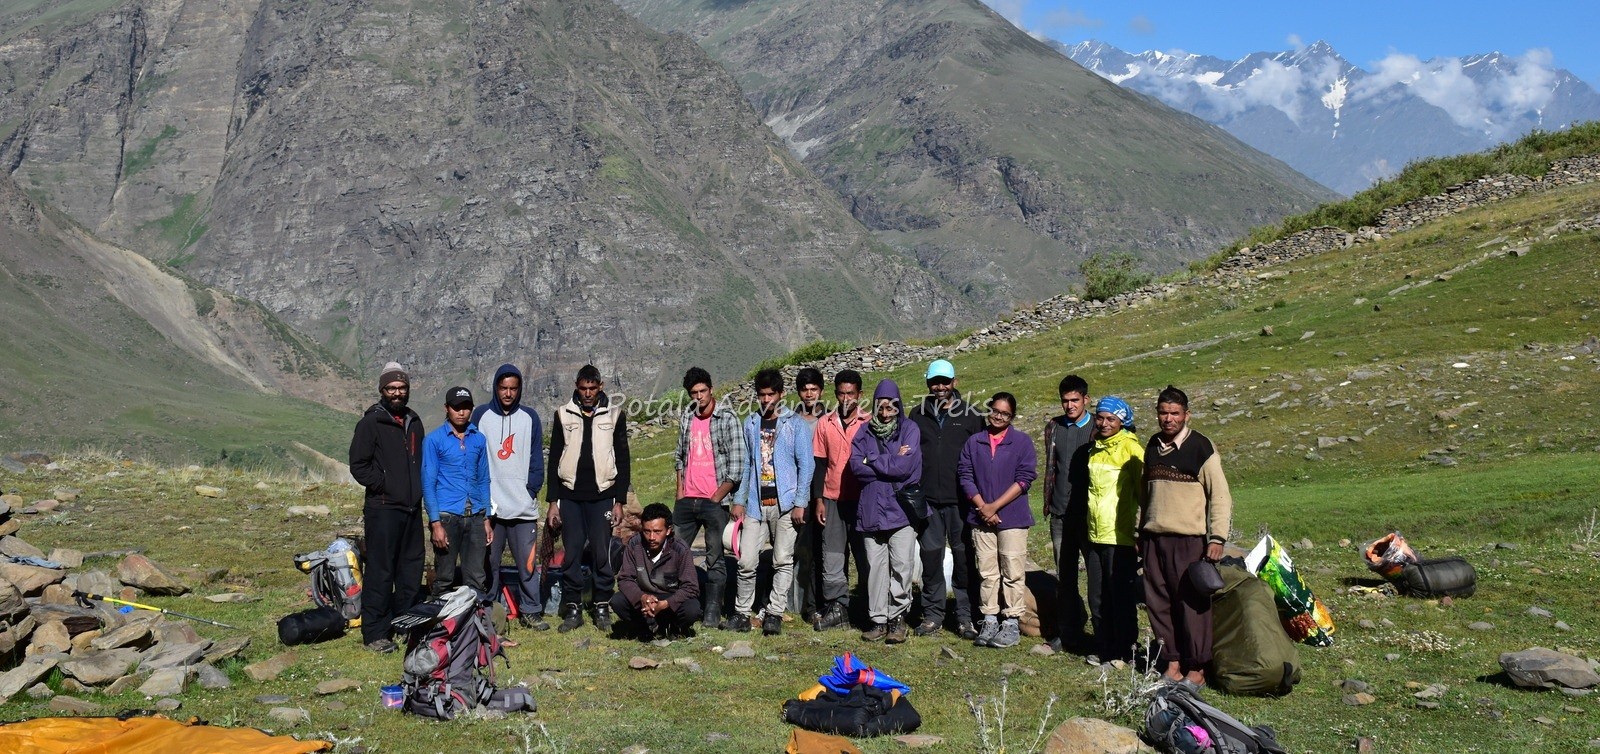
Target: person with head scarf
x=1112 y=466
x=886 y=458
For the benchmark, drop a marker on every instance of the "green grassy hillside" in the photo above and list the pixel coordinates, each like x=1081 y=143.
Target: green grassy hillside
x=1431 y=382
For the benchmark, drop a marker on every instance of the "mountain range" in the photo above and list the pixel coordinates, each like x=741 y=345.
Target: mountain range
x=551 y=182
x=1346 y=126
x=975 y=148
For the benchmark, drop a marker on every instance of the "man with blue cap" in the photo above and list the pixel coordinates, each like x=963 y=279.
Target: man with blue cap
x=945 y=422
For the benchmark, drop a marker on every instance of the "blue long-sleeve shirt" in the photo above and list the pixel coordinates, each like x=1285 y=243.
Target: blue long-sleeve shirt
x=455 y=472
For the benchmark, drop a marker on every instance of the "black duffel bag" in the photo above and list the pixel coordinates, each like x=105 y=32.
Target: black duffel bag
x=865 y=712
x=318 y=624
x=1444 y=577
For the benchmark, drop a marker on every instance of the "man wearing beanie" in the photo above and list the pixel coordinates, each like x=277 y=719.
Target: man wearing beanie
x=386 y=459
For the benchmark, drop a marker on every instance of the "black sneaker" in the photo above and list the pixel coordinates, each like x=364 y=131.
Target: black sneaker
x=876 y=633
x=382 y=646
x=772 y=625
x=967 y=631
x=535 y=622
x=571 y=617
x=602 y=618
x=926 y=628
x=737 y=622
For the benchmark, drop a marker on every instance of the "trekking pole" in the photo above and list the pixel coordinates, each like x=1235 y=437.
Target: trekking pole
x=84 y=597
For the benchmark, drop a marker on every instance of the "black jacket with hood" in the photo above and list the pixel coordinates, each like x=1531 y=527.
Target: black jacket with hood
x=386 y=458
x=941 y=446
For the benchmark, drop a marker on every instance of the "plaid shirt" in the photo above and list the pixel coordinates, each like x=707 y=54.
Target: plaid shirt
x=727 y=445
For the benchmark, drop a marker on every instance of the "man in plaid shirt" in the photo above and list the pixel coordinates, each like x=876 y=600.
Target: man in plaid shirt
x=710 y=462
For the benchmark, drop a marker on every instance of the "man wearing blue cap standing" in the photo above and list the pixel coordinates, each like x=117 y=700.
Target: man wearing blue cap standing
x=945 y=422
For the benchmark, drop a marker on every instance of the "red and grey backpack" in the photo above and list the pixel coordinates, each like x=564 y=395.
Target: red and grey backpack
x=451 y=646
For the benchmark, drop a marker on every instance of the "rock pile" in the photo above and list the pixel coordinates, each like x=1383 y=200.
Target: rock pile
x=43 y=627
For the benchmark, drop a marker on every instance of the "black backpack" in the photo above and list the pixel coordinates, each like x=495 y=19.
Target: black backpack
x=1176 y=707
x=451 y=646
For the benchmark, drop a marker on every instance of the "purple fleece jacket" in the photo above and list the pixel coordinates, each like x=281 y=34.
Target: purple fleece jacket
x=881 y=468
x=1011 y=463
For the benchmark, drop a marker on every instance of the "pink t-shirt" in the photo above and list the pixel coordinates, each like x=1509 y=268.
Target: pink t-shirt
x=994 y=441
x=700 y=473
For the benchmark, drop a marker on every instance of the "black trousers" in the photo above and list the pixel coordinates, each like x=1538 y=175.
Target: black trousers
x=1067 y=535
x=392 y=580
x=586 y=529
x=946 y=527
x=462 y=562
x=688 y=516
x=1113 y=598
x=633 y=621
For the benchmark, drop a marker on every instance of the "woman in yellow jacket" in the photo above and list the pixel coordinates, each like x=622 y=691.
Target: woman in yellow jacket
x=1111 y=476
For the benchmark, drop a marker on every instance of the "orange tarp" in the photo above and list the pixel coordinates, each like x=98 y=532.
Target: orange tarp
x=142 y=735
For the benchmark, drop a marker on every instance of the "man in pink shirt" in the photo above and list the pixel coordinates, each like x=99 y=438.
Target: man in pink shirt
x=710 y=463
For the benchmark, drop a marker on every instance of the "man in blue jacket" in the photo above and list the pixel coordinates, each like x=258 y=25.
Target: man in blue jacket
x=515 y=439
x=777 y=481
x=455 y=491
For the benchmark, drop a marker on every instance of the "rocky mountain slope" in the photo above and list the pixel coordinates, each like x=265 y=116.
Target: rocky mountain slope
x=448 y=184
x=1346 y=126
x=103 y=348
x=976 y=148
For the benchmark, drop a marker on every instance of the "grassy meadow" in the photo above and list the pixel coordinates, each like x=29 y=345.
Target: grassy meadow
x=1430 y=383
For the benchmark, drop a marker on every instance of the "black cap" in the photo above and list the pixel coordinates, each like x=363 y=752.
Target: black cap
x=458 y=397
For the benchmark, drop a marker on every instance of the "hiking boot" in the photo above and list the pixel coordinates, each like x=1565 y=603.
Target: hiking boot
x=832 y=617
x=602 y=618
x=535 y=622
x=382 y=646
x=966 y=630
x=772 y=625
x=991 y=626
x=1010 y=633
x=1056 y=645
x=876 y=633
x=571 y=617
x=926 y=628
x=897 y=631
x=737 y=622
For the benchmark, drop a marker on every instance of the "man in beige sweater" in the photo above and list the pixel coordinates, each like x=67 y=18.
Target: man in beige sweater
x=1186 y=516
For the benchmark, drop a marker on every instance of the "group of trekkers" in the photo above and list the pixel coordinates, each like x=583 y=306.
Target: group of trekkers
x=900 y=493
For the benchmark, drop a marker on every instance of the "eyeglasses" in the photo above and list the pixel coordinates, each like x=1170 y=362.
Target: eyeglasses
x=396 y=389
x=1001 y=414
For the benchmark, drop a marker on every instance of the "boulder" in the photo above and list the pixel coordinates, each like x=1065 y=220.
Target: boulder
x=73 y=705
x=210 y=678
x=173 y=655
x=176 y=632
x=144 y=573
x=289 y=716
x=130 y=635
x=166 y=682
x=93 y=582
x=9 y=525
x=121 y=685
x=224 y=649
x=57 y=594
x=1545 y=668
x=337 y=685
x=24 y=675
x=67 y=557
x=16 y=547
x=30 y=580
x=270 y=668
x=1087 y=735
x=206 y=490
x=50 y=638
x=15 y=633
x=101 y=667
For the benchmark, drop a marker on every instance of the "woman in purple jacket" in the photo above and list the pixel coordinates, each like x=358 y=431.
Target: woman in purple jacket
x=996 y=468
x=886 y=456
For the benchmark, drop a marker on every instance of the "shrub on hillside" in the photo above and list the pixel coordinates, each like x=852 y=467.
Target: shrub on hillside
x=1106 y=275
x=814 y=351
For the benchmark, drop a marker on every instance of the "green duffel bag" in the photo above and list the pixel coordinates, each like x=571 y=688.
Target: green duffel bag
x=1250 y=653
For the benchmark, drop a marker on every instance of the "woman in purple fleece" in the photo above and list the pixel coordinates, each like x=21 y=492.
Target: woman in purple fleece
x=996 y=468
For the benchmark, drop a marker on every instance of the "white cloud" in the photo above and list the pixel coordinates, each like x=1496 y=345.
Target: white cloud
x=1294 y=42
x=1011 y=10
x=1141 y=25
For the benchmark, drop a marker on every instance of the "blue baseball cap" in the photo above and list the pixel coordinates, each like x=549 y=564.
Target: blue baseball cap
x=940 y=368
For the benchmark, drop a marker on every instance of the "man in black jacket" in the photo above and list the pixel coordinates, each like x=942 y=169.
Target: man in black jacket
x=386 y=458
x=946 y=422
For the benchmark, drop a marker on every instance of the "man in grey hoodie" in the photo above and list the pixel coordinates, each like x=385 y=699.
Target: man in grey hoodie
x=516 y=472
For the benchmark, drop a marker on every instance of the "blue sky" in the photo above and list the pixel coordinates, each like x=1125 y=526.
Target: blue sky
x=1363 y=31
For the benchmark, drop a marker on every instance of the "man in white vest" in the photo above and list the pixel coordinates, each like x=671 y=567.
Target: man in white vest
x=588 y=472
x=516 y=472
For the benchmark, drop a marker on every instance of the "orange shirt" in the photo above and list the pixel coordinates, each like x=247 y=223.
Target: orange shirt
x=831 y=440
